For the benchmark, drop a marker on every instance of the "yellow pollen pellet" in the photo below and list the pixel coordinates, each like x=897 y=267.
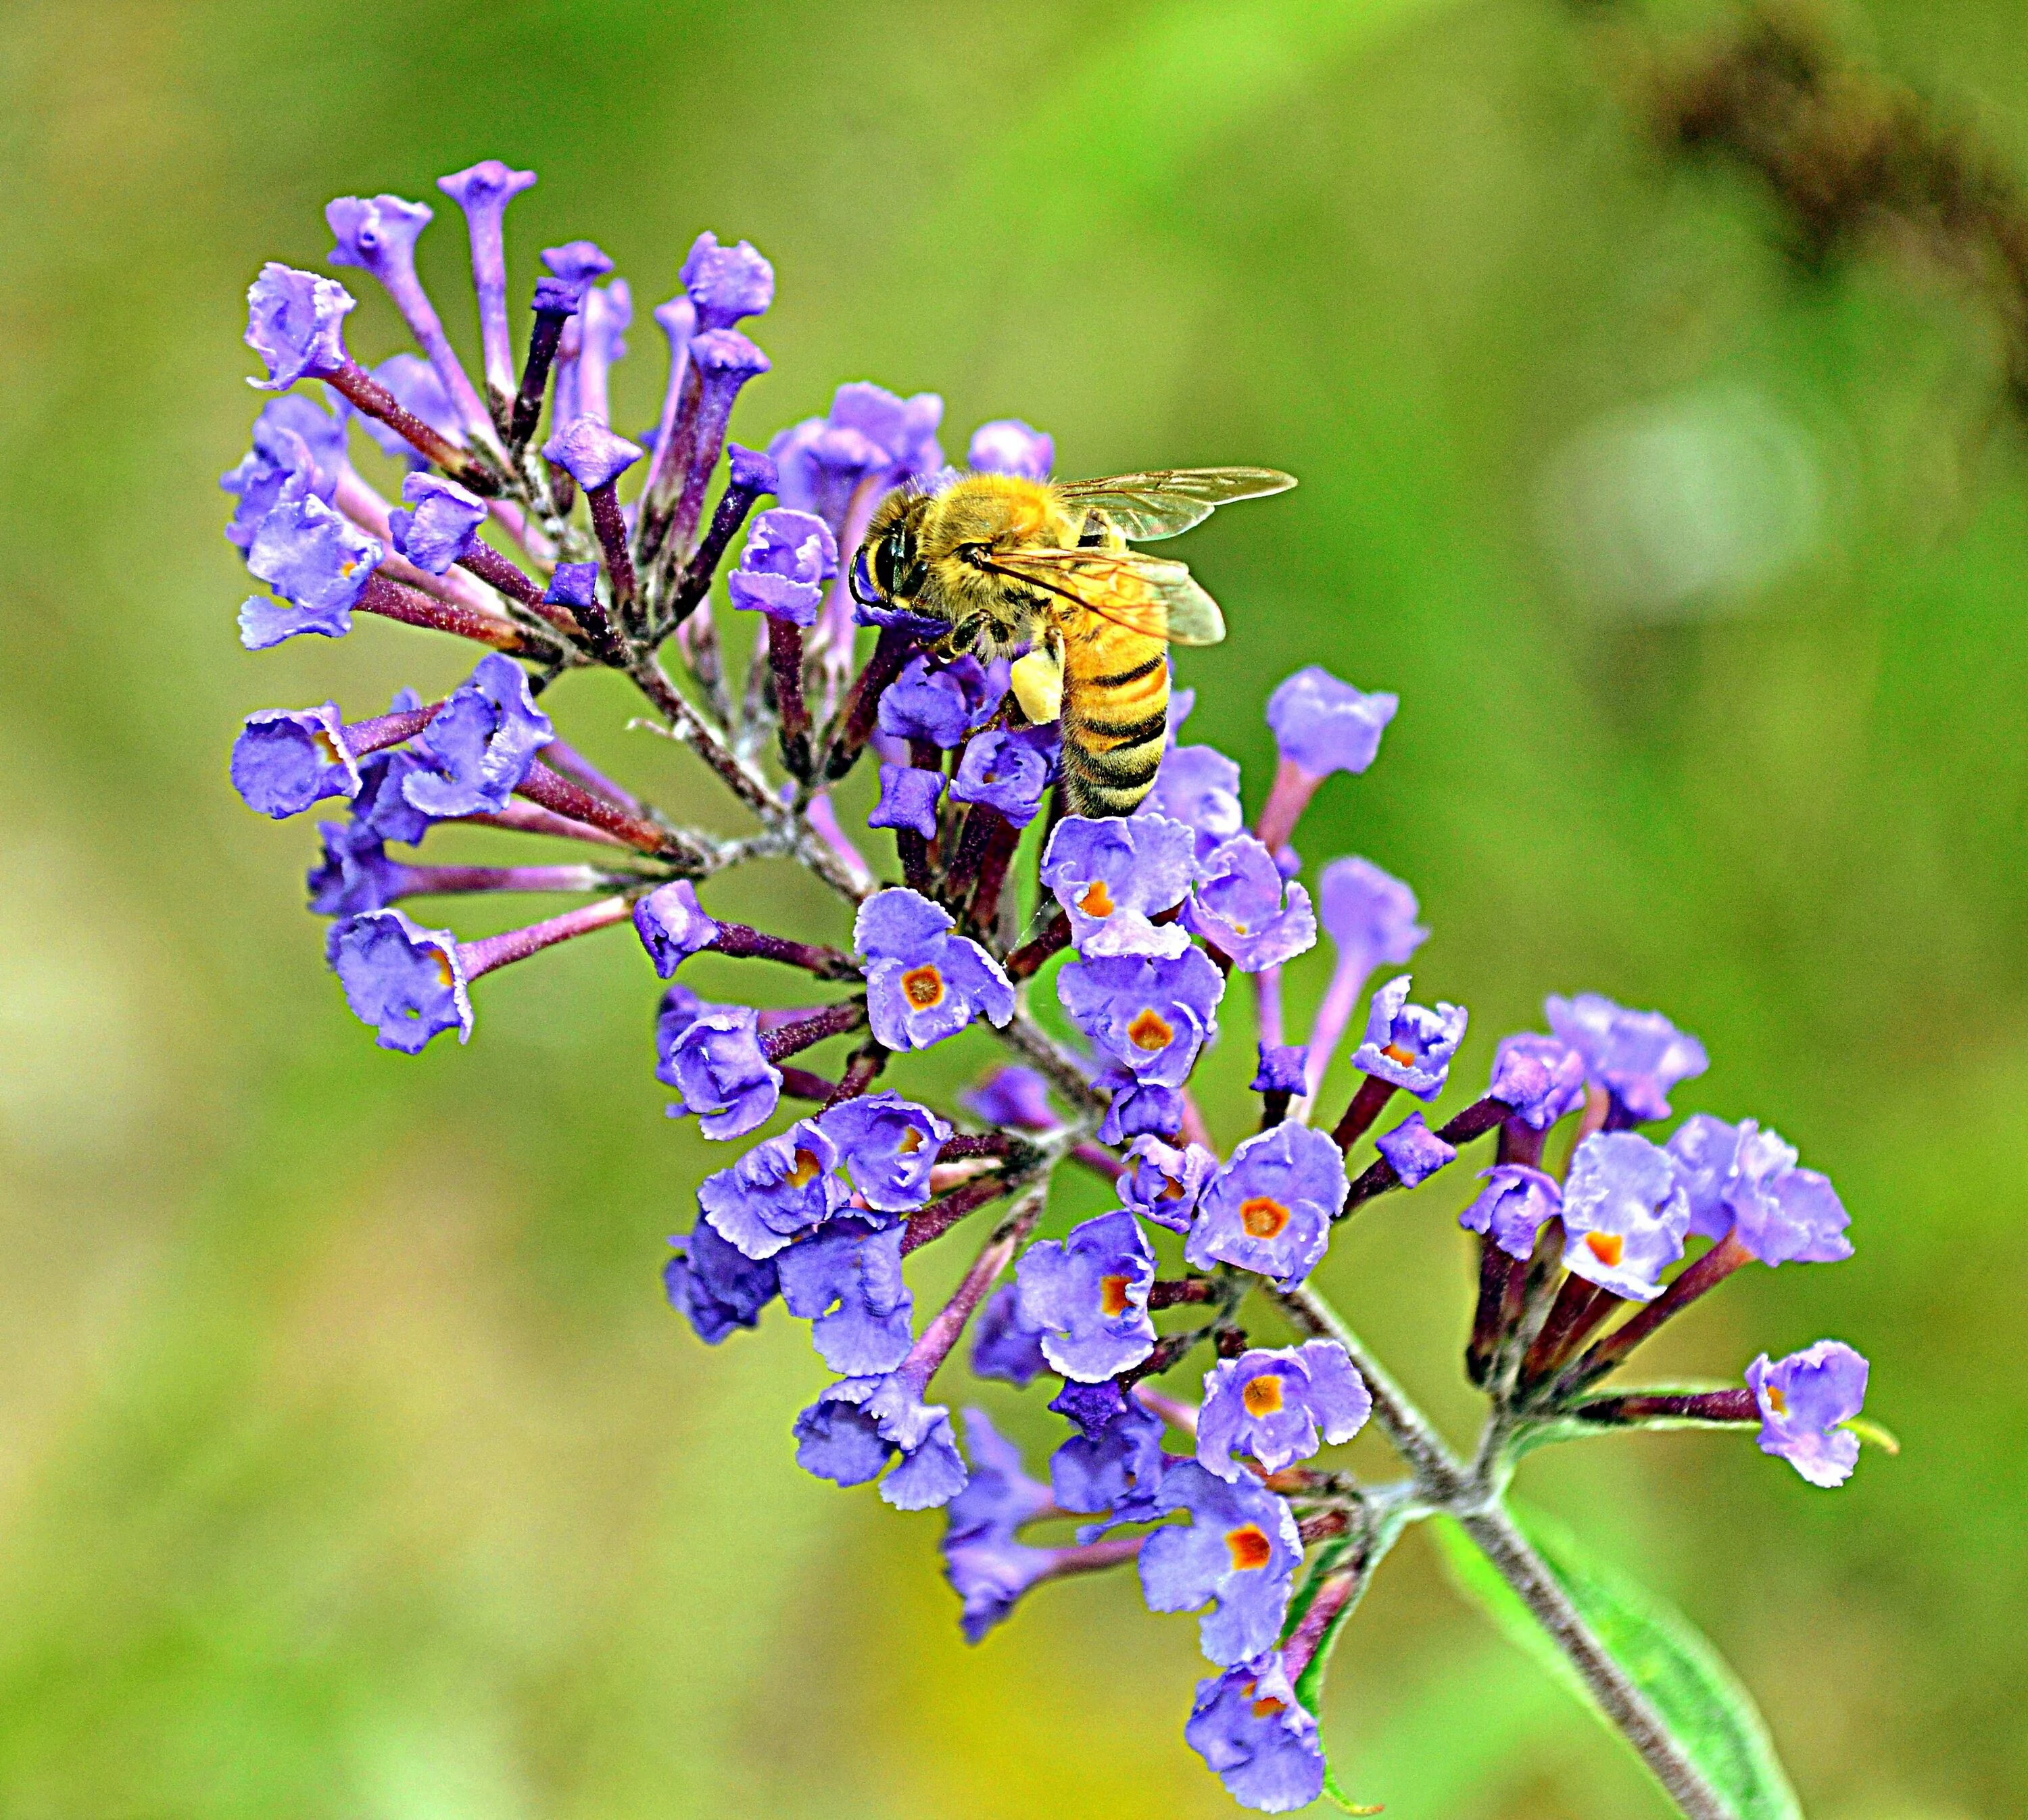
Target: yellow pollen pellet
x=1266 y=1708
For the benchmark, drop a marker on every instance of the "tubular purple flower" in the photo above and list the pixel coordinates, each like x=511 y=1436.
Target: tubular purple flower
x=1147 y=1015
x=1000 y=771
x=482 y=191
x=721 y=361
x=857 y=1426
x=942 y=706
x=311 y=556
x=480 y=746
x=1280 y=1406
x=605 y=315
x=922 y=982
x=888 y=1145
x=380 y=236
x=1163 y=1183
x=407 y=982
x=1516 y=1203
x=1239 y=907
x=1540 y=1078
x=1410 y=1045
x=726 y=284
x=1198 y=786
x=846 y=1278
x=1371 y=917
x=1741 y=1180
x=1413 y=1151
x=1270 y=1209
x=295 y=322
x=1239 y=1553
x=988 y=1568
x=1112 y=876
x=715 y=1286
x=908 y=796
x=789 y=558
x=782 y=1188
x=1006 y=1346
x=1624 y=1217
x=1257 y=1737
x=1088 y=1293
x=354 y=874
x=1007 y=446
x=579 y=263
x=1636 y=1055
x=1113 y=1468
x=1138 y=1108
x=1011 y=1095
x=413 y=384
x=1322 y=725
x=591 y=454
x=294 y=436
x=713 y=1058
x=672 y=925
x=441 y=525
x=284 y=759
x=1805 y=1400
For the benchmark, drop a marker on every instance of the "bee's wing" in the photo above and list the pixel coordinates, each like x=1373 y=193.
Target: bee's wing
x=1148 y=506
x=1143 y=594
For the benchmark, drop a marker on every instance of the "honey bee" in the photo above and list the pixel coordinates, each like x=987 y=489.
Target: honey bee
x=1006 y=562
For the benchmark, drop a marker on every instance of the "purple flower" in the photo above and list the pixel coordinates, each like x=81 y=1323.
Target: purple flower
x=1114 y=1468
x=577 y=262
x=1138 y=1108
x=1257 y=1737
x=1636 y=1055
x=672 y=925
x=716 y=1286
x=313 y=557
x=1198 y=786
x=712 y=1055
x=780 y=1188
x=591 y=453
x=1240 y=1552
x=989 y=1568
x=1369 y=914
x=1002 y=1344
x=295 y=322
x=1324 y=725
x=999 y=770
x=355 y=874
x=481 y=743
x=1743 y=1180
x=442 y=526
x=1112 y=876
x=1804 y=1399
x=419 y=391
x=888 y=1145
x=942 y=706
x=1007 y=446
x=1410 y=1044
x=1540 y=1077
x=1269 y=1209
x=923 y=983
x=847 y=1280
x=1162 y=1184
x=789 y=556
x=1414 y=1151
x=1279 y=1406
x=483 y=191
x=1516 y=1203
x=380 y=808
x=1088 y=1293
x=1238 y=908
x=406 y=980
x=574 y=584
x=909 y=796
x=1281 y=1068
x=857 y=1426
x=1012 y=1095
x=1148 y=1014
x=285 y=760
x=904 y=430
x=1624 y=1217
x=294 y=436
x=726 y=284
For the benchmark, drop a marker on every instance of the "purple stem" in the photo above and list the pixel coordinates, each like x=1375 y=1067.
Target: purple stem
x=1348 y=979
x=445 y=881
x=800 y=1084
x=1267 y=1008
x=391 y=600
x=727 y=517
x=1289 y=796
x=936 y=1219
x=574 y=765
x=821 y=813
x=1054 y=936
x=1101 y=1161
x=891 y=652
x=483 y=956
x=1365 y=1106
x=554 y=791
x=834 y=1020
x=611 y=526
x=370 y=396
x=1002 y=839
x=364 y=505
x=1698 y=1406
x=742 y=943
x=1696 y=1279
x=677 y=319
x=785 y=665
x=525 y=818
x=385 y=730
x=543 y=340
x=943 y=1333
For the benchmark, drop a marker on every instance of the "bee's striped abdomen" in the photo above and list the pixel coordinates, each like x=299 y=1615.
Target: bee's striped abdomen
x=1116 y=717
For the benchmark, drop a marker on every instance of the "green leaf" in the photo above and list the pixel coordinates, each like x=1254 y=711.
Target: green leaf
x=1310 y=1683
x=1699 y=1698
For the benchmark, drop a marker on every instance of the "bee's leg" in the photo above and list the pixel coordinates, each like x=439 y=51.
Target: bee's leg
x=1038 y=680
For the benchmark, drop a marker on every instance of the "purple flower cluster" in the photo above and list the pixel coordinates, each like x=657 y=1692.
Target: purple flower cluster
x=502 y=523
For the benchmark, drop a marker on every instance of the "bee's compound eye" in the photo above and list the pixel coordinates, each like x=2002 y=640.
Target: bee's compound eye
x=890 y=558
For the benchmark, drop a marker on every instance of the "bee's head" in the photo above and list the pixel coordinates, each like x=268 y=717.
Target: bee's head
x=889 y=565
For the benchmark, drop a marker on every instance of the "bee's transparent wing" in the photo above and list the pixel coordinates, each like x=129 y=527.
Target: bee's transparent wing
x=1170 y=500
x=1143 y=593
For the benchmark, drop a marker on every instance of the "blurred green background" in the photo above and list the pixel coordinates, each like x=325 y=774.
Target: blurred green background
x=350 y=1462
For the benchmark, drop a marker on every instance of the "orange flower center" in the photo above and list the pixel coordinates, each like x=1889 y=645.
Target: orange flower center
x=1263 y=1395
x=806 y=1170
x=1250 y=1547
x=1113 y=1295
x=1776 y=1400
x=1400 y=1052
x=923 y=986
x=1608 y=1248
x=1150 y=1030
x=1171 y=1190
x=1262 y=1217
x=1267 y=1709
x=1097 y=901
x=912 y=1141
x=444 y=972
x=327 y=747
